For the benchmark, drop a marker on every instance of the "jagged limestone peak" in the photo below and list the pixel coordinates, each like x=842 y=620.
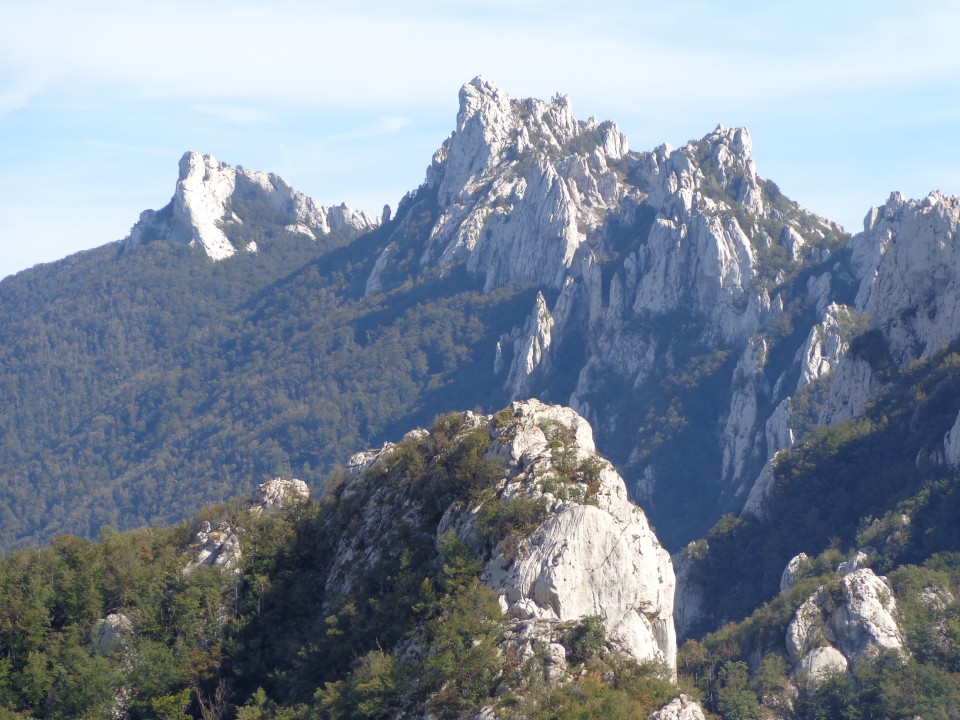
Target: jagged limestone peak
x=212 y=199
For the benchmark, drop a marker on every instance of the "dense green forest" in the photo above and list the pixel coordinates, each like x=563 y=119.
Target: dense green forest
x=141 y=382
x=418 y=630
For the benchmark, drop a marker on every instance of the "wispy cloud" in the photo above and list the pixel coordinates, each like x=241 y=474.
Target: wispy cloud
x=236 y=114
x=266 y=53
x=387 y=125
x=19 y=95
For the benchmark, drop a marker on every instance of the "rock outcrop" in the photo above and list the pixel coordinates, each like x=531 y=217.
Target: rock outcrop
x=110 y=634
x=591 y=554
x=515 y=171
x=278 y=494
x=213 y=199
x=217 y=547
x=790 y=572
x=642 y=260
x=681 y=708
x=843 y=622
x=220 y=547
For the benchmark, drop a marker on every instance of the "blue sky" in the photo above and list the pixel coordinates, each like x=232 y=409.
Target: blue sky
x=846 y=101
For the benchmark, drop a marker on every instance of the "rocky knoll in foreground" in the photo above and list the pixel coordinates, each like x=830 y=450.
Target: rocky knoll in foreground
x=584 y=549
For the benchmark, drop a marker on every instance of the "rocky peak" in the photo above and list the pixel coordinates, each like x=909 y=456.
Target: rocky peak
x=909 y=259
x=484 y=127
x=717 y=168
x=212 y=201
x=519 y=185
x=590 y=553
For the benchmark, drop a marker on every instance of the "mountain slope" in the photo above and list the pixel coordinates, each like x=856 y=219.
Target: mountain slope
x=432 y=581
x=701 y=320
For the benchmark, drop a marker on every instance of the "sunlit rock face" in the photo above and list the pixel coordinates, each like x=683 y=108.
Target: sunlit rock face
x=593 y=554
x=212 y=198
x=838 y=626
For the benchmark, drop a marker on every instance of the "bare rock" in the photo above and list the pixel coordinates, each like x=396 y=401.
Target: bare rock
x=681 y=708
x=110 y=634
x=278 y=494
x=217 y=547
x=790 y=572
x=855 y=618
x=206 y=203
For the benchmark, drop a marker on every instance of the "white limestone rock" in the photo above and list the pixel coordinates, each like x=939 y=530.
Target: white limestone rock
x=519 y=183
x=910 y=264
x=689 y=603
x=790 y=572
x=756 y=502
x=595 y=553
x=680 y=708
x=278 y=494
x=111 y=634
x=823 y=662
x=853 y=385
x=857 y=618
x=584 y=560
x=951 y=444
x=530 y=349
x=739 y=434
x=779 y=439
x=826 y=344
x=217 y=547
x=208 y=195
x=859 y=560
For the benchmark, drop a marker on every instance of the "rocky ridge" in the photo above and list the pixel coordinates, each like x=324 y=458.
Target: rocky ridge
x=625 y=247
x=592 y=553
x=628 y=248
x=213 y=201
x=905 y=308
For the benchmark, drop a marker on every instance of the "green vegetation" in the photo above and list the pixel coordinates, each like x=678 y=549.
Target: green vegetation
x=670 y=421
x=414 y=629
x=869 y=482
x=923 y=682
x=142 y=382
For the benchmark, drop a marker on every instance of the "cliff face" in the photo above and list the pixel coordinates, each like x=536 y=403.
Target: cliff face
x=659 y=272
x=698 y=318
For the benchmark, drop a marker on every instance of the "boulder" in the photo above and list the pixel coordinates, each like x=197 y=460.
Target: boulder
x=110 y=634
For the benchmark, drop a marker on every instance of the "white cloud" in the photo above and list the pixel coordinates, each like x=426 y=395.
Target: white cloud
x=387 y=125
x=18 y=96
x=378 y=56
x=236 y=114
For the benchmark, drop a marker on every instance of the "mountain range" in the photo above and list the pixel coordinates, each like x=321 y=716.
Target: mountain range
x=765 y=383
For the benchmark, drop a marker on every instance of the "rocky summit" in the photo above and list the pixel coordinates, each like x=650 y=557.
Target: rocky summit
x=589 y=552
x=211 y=199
